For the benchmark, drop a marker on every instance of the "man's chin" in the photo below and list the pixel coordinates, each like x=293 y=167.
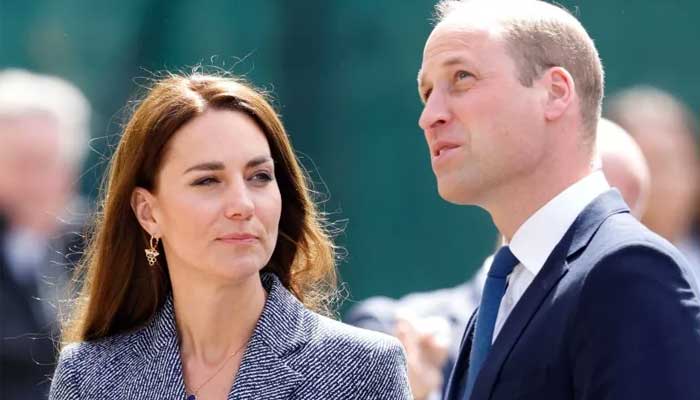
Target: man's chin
x=455 y=194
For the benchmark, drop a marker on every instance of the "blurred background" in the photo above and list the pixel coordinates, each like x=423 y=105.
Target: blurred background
x=343 y=74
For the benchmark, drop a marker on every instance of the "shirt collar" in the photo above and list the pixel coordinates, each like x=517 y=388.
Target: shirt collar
x=538 y=235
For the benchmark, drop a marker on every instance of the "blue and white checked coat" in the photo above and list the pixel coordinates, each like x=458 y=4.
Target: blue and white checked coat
x=292 y=354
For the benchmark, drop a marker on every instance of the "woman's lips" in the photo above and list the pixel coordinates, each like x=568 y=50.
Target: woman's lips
x=238 y=238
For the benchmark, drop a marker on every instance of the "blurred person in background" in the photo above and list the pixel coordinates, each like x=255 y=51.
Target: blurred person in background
x=430 y=324
x=666 y=131
x=44 y=132
x=208 y=262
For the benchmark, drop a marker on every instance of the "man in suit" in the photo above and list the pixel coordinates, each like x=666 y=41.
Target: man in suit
x=44 y=134
x=430 y=324
x=666 y=129
x=583 y=302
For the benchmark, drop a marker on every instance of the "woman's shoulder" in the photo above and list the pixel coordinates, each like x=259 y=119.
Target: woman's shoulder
x=329 y=331
x=285 y=316
x=335 y=344
x=366 y=364
x=123 y=346
x=86 y=365
x=90 y=354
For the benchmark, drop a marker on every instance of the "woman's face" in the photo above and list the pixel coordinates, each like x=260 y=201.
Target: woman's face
x=217 y=205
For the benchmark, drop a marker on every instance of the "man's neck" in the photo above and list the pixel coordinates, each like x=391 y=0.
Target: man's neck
x=511 y=208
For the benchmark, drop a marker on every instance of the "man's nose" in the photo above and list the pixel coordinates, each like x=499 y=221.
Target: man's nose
x=435 y=112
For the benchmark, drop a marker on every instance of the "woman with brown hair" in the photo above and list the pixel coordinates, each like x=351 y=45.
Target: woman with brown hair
x=207 y=260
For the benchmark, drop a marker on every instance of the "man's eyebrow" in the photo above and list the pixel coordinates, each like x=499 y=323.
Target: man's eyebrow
x=454 y=61
x=447 y=63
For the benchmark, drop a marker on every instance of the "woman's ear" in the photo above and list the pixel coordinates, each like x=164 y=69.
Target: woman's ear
x=143 y=204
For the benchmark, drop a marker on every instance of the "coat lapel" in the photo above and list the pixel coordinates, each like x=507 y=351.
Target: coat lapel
x=263 y=373
x=556 y=266
x=280 y=331
x=158 y=347
x=459 y=373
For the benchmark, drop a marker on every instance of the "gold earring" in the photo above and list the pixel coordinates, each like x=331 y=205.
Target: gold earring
x=152 y=253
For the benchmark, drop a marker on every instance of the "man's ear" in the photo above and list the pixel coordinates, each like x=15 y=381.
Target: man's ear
x=561 y=91
x=143 y=204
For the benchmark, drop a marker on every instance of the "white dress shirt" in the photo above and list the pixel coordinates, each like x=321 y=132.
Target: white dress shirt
x=537 y=237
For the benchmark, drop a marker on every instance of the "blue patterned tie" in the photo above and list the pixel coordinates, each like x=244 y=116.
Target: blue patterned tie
x=494 y=288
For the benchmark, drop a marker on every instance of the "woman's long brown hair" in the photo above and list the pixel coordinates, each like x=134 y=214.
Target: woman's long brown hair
x=120 y=291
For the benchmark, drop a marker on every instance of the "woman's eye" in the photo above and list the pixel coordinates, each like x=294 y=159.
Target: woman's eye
x=262 y=177
x=207 y=181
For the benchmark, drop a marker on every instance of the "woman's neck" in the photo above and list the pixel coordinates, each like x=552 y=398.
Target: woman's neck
x=215 y=320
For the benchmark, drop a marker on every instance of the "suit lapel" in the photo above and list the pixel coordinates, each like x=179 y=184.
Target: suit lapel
x=459 y=373
x=158 y=347
x=552 y=271
x=556 y=266
x=164 y=374
x=280 y=331
x=264 y=375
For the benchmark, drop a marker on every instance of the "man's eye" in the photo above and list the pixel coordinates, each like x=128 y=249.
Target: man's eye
x=459 y=75
x=426 y=94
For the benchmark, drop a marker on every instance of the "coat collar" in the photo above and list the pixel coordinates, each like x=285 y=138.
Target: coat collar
x=557 y=265
x=281 y=329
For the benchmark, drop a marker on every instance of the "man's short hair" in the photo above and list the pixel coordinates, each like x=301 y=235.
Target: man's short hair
x=539 y=36
x=23 y=93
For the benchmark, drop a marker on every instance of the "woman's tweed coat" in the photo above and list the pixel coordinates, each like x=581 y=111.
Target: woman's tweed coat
x=292 y=354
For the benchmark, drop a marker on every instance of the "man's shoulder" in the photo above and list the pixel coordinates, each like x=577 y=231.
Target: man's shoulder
x=623 y=234
x=624 y=250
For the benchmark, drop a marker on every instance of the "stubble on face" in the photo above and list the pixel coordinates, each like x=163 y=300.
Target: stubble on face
x=482 y=113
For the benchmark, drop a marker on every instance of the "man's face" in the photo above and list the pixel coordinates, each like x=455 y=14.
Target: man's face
x=34 y=180
x=670 y=152
x=483 y=127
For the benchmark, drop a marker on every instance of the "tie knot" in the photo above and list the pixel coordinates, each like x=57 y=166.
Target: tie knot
x=503 y=263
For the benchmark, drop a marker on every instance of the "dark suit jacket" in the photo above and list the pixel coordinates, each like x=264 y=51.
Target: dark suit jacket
x=292 y=354
x=611 y=316
x=27 y=331
x=26 y=348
